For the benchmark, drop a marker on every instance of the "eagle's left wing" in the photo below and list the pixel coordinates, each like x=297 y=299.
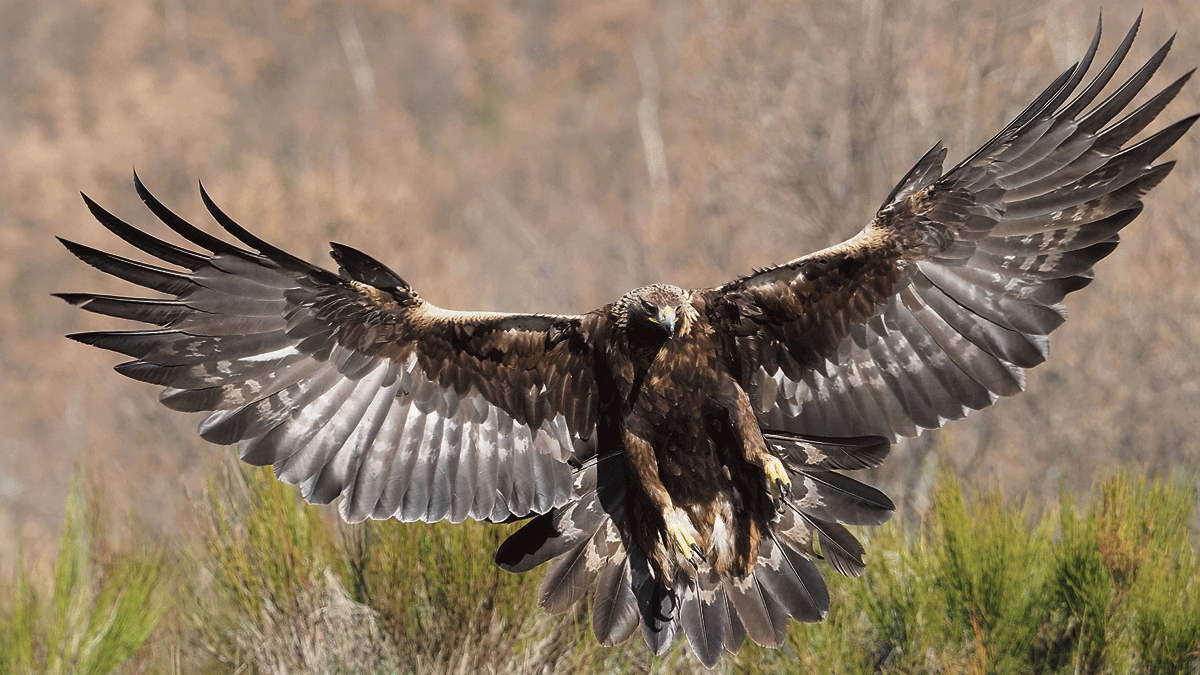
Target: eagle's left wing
x=938 y=306
x=352 y=383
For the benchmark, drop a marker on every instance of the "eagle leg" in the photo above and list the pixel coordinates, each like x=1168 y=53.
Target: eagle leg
x=757 y=452
x=679 y=531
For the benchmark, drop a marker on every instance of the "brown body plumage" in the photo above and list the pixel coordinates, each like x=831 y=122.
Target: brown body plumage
x=678 y=450
x=689 y=435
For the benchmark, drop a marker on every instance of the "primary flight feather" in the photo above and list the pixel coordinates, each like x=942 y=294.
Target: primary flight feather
x=678 y=450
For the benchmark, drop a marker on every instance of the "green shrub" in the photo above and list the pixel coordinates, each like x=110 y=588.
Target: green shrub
x=983 y=587
x=268 y=584
x=97 y=612
x=283 y=584
x=275 y=585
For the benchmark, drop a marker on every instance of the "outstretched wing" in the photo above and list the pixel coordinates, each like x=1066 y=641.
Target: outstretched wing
x=938 y=306
x=352 y=383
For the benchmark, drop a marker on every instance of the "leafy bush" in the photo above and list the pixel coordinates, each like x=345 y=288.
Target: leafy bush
x=276 y=586
x=284 y=587
x=986 y=588
x=268 y=589
x=96 y=613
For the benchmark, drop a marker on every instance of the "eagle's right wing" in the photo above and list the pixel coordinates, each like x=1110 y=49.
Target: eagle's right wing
x=353 y=383
x=939 y=305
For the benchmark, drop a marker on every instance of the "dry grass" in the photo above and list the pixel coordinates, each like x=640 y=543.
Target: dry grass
x=525 y=156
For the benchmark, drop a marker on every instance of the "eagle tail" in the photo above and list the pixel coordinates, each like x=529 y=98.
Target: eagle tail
x=718 y=612
x=586 y=544
x=583 y=542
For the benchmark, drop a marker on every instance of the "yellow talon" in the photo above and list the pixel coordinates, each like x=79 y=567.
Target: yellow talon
x=777 y=480
x=682 y=535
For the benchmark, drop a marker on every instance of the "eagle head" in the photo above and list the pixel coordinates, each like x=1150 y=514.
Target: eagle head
x=660 y=310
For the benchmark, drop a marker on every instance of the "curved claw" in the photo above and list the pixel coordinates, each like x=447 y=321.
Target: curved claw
x=778 y=481
x=682 y=535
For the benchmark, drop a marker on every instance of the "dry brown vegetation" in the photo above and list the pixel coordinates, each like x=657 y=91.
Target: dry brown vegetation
x=542 y=156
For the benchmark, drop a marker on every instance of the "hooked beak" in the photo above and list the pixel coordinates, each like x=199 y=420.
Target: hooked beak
x=665 y=318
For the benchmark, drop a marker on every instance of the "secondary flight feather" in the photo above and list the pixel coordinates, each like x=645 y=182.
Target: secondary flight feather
x=679 y=451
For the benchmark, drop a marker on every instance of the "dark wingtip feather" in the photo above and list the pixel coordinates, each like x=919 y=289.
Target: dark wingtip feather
x=1150 y=148
x=1081 y=69
x=158 y=312
x=76 y=299
x=1101 y=80
x=181 y=226
x=363 y=268
x=151 y=373
x=277 y=255
x=136 y=344
x=1037 y=107
x=148 y=276
x=1102 y=114
x=152 y=245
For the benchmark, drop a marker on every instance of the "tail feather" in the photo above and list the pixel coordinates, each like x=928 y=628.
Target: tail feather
x=793 y=581
x=573 y=573
x=805 y=451
x=836 y=498
x=735 y=631
x=704 y=615
x=841 y=549
x=657 y=605
x=615 y=615
x=760 y=617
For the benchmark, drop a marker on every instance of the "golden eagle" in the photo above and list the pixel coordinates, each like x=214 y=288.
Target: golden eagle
x=680 y=450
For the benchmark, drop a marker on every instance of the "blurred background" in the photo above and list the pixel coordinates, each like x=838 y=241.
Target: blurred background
x=539 y=156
